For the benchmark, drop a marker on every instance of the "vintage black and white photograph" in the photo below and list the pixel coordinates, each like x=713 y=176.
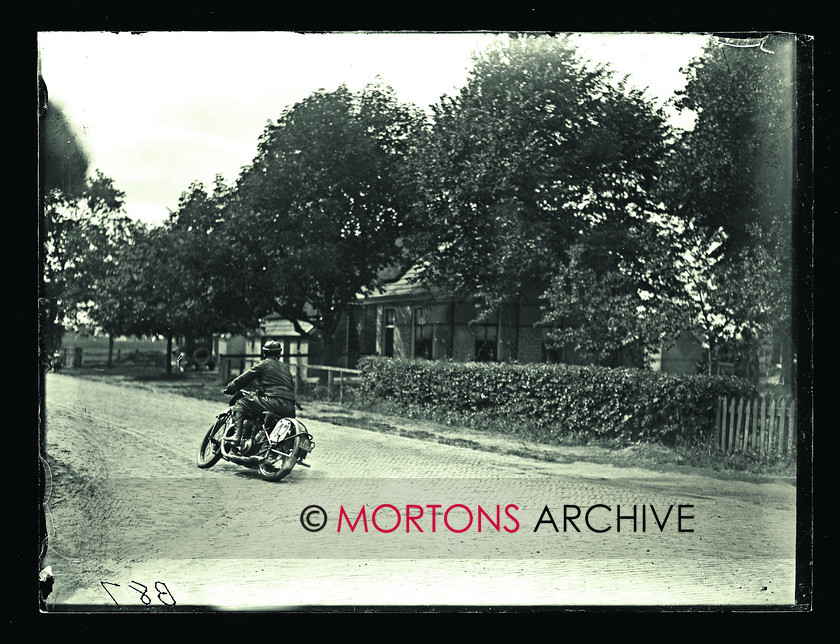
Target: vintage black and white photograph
x=376 y=321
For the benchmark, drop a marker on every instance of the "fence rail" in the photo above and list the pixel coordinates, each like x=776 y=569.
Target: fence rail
x=231 y=365
x=764 y=425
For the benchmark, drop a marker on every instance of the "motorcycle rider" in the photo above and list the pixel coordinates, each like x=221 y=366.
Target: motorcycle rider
x=275 y=389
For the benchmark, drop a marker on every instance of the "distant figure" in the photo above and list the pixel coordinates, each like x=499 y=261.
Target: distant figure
x=58 y=363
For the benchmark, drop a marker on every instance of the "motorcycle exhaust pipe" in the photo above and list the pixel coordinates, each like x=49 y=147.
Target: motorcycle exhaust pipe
x=247 y=461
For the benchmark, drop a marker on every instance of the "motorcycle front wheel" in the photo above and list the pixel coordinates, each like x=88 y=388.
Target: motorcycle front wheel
x=210 y=450
x=281 y=458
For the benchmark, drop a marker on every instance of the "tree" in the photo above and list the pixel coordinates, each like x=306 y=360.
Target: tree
x=536 y=152
x=618 y=297
x=181 y=277
x=731 y=176
x=62 y=165
x=727 y=302
x=158 y=297
x=726 y=171
x=62 y=170
x=210 y=248
x=320 y=211
x=81 y=229
x=109 y=306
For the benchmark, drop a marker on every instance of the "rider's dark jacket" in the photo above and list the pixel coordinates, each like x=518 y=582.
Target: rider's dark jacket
x=274 y=378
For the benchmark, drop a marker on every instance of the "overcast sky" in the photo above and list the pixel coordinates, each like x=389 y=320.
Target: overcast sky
x=160 y=110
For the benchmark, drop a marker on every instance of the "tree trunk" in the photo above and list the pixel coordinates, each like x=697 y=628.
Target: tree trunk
x=328 y=357
x=711 y=357
x=110 y=350
x=331 y=348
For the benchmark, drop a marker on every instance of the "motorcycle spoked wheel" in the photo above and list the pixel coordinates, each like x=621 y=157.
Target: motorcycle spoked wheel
x=210 y=450
x=282 y=457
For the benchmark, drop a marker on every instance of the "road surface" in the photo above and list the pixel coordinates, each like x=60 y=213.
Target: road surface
x=135 y=525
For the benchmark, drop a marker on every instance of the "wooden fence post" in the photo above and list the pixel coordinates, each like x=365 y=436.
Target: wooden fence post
x=748 y=425
x=739 y=417
x=731 y=424
x=736 y=433
x=766 y=424
x=762 y=423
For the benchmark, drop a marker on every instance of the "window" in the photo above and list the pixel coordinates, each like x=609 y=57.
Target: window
x=390 y=317
x=486 y=336
x=294 y=348
x=422 y=336
x=552 y=353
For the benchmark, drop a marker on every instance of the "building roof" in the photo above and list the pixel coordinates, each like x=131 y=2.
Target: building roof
x=405 y=286
x=281 y=327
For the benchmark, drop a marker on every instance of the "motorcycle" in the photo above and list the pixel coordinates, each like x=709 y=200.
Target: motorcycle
x=272 y=445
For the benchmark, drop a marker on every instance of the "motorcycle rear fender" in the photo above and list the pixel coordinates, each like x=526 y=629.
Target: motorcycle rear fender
x=300 y=428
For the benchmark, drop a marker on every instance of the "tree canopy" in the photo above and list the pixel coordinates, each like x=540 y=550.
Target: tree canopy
x=322 y=206
x=730 y=180
x=538 y=154
x=82 y=231
x=724 y=173
x=545 y=177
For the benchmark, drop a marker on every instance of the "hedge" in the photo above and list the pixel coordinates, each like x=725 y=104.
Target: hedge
x=547 y=402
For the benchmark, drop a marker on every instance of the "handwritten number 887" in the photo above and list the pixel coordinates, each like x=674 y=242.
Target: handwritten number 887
x=163 y=594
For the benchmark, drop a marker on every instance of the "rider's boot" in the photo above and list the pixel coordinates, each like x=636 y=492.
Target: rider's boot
x=236 y=440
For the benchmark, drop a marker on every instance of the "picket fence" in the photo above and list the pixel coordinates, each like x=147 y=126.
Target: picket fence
x=764 y=425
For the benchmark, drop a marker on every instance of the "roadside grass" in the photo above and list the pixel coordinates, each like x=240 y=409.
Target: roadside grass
x=384 y=418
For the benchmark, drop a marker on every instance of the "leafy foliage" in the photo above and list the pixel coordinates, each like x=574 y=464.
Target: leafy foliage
x=729 y=181
x=84 y=231
x=728 y=301
x=534 y=151
x=544 y=177
x=214 y=285
x=724 y=172
x=618 y=295
x=548 y=402
x=325 y=200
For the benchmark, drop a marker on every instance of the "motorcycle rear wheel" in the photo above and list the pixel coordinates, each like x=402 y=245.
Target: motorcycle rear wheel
x=210 y=450
x=277 y=466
